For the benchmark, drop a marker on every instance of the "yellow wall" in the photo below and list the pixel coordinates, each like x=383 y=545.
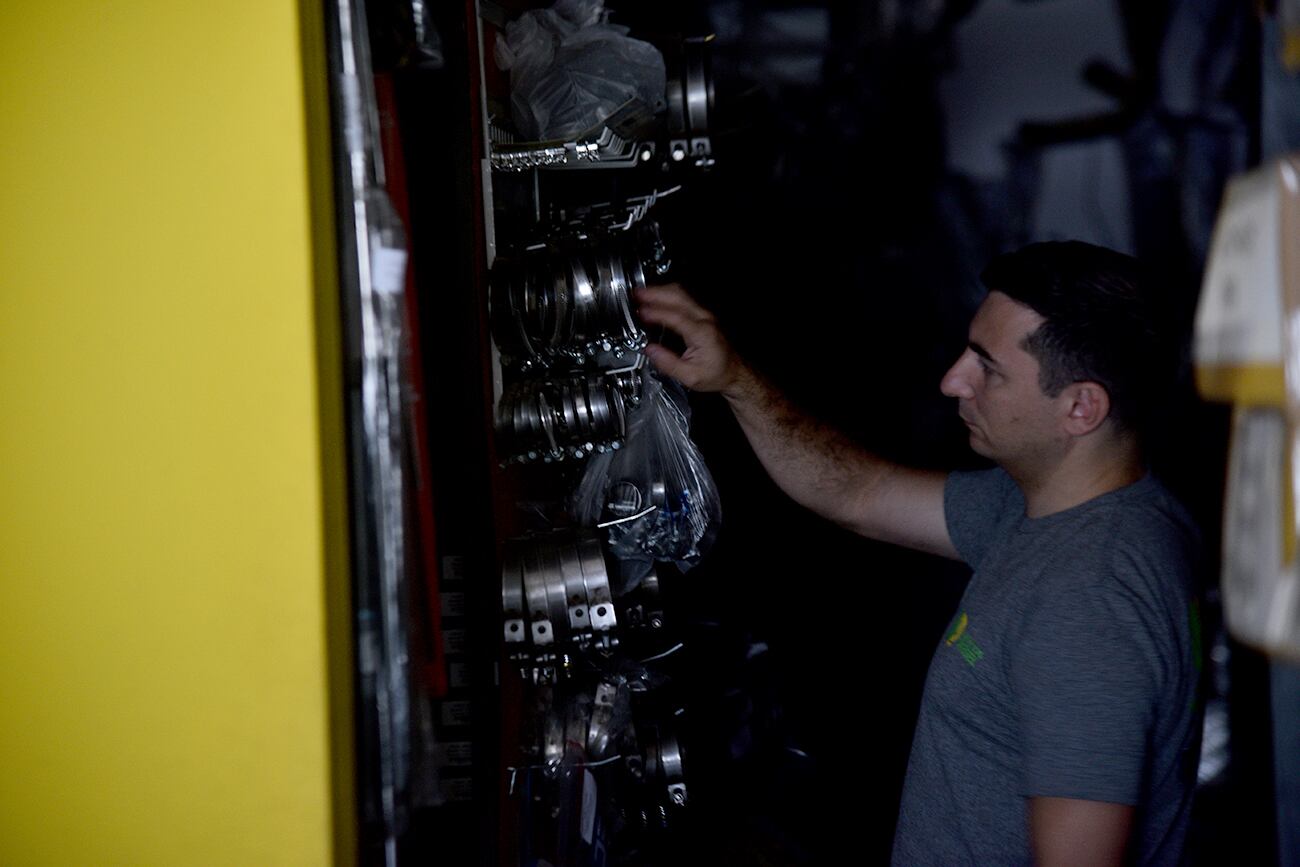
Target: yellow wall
x=164 y=517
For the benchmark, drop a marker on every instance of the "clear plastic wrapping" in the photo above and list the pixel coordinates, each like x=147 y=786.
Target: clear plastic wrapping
x=570 y=69
x=655 y=496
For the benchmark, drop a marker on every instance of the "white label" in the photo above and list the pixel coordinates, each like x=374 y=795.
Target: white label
x=458 y=675
x=456 y=713
x=453 y=640
x=453 y=604
x=456 y=789
x=387 y=269
x=588 y=825
x=453 y=568
x=456 y=754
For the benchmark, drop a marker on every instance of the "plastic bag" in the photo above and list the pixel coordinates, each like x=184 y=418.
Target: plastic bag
x=570 y=69
x=655 y=496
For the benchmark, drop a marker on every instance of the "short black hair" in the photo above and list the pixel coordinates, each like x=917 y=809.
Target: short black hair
x=1106 y=322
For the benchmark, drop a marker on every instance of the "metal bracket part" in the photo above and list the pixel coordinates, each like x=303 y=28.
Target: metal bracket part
x=556 y=597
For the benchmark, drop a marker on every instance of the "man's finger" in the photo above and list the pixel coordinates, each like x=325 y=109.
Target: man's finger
x=695 y=329
x=668 y=363
x=673 y=296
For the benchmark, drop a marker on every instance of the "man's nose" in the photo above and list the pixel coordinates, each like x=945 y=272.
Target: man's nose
x=956 y=382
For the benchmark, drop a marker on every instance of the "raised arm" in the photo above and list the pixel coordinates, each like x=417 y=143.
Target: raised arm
x=815 y=464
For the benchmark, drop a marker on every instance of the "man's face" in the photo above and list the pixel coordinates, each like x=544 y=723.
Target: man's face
x=995 y=381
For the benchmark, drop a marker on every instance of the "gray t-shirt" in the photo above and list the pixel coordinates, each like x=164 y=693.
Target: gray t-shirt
x=1069 y=670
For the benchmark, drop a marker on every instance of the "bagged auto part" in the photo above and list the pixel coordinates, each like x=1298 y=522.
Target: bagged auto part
x=654 y=497
x=570 y=70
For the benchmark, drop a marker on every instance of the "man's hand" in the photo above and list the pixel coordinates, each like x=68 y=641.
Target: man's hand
x=709 y=363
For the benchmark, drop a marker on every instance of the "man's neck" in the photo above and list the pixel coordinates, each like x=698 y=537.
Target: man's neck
x=1079 y=478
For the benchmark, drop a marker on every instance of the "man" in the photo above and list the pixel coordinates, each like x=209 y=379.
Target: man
x=1059 y=720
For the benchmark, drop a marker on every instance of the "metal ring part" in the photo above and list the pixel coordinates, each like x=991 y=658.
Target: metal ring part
x=512 y=594
x=508 y=310
x=582 y=400
x=541 y=629
x=560 y=326
x=672 y=766
x=555 y=596
x=621 y=288
x=610 y=288
x=550 y=419
x=523 y=303
x=597 y=580
x=552 y=575
x=670 y=757
x=597 y=401
x=658 y=493
x=676 y=97
x=585 y=303
x=570 y=306
x=546 y=419
x=568 y=411
x=575 y=588
x=618 y=414
x=534 y=305
x=599 y=734
x=698 y=89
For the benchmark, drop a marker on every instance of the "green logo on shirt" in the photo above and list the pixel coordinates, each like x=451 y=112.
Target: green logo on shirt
x=957 y=637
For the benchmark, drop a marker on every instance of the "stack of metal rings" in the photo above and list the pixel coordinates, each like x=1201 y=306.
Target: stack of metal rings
x=690 y=102
x=568 y=305
x=664 y=765
x=555 y=598
x=584 y=726
x=551 y=420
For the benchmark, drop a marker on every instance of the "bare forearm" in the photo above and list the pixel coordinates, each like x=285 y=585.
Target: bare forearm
x=1067 y=832
x=817 y=465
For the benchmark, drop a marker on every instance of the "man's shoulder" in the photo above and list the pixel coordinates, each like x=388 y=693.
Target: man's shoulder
x=1143 y=521
x=978 y=506
x=991 y=490
x=1138 y=548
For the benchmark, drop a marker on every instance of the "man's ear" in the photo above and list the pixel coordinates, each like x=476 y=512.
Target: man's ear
x=1087 y=406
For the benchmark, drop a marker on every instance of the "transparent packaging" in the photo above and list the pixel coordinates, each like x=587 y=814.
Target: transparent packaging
x=655 y=496
x=570 y=70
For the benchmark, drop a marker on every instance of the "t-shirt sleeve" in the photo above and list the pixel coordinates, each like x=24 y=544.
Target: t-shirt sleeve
x=975 y=505
x=1086 y=674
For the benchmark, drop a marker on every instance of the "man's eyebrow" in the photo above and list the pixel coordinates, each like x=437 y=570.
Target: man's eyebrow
x=982 y=353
